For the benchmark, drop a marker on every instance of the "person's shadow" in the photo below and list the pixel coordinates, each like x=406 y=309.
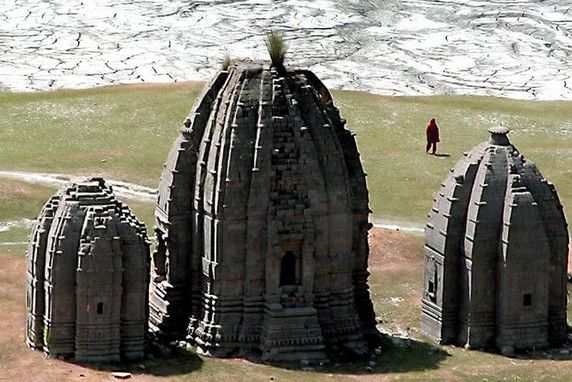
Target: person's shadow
x=442 y=155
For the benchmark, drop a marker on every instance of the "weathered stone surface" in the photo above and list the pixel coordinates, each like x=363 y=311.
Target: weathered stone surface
x=496 y=254
x=262 y=222
x=88 y=267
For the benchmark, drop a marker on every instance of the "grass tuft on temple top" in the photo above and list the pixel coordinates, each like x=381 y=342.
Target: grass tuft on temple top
x=277 y=47
x=225 y=62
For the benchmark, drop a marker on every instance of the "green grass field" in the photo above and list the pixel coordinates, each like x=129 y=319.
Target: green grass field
x=125 y=132
x=402 y=179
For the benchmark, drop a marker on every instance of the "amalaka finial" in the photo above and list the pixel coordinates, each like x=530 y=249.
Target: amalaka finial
x=499 y=135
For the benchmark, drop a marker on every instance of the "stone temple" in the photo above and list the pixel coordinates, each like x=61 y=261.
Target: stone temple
x=262 y=222
x=496 y=254
x=88 y=275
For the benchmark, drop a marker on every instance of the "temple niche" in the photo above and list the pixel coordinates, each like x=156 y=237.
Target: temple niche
x=496 y=254
x=262 y=221
x=88 y=275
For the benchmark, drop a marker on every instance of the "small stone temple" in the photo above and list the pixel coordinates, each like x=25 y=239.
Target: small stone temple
x=88 y=275
x=262 y=222
x=496 y=254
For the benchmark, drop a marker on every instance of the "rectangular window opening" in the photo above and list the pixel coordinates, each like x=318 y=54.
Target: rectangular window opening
x=432 y=291
x=527 y=299
x=100 y=308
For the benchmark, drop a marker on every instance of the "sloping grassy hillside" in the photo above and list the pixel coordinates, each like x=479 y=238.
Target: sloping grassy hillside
x=125 y=133
x=122 y=132
x=403 y=179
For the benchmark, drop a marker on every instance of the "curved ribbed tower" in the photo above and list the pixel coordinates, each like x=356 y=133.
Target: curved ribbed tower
x=496 y=254
x=88 y=267
x=262 y=221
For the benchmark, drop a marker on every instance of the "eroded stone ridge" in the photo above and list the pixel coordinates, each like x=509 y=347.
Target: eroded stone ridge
x=496 y=254
x=88 y=267
x=262 y=221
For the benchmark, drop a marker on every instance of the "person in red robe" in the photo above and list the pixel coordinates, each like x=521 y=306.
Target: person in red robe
x=432 y=132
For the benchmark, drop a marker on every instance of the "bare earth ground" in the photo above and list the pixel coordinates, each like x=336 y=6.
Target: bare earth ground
x=17 y=362
x=395 y=265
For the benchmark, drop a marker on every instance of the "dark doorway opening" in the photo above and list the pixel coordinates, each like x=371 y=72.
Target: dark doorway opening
x=100 y=308
x=288 y=269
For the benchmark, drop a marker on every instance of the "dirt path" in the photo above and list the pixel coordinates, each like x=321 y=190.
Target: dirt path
x=122 y=189
x=406 y=227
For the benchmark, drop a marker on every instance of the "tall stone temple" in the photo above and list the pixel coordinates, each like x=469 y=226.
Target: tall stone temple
x=496 y=254
x=262 y=222
x=88 y=275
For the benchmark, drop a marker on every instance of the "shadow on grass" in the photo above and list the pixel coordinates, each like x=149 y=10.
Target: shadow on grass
x=398 y=355
x=561 y=353
x=551 y=354
x=179 y=362
x=441 y=155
